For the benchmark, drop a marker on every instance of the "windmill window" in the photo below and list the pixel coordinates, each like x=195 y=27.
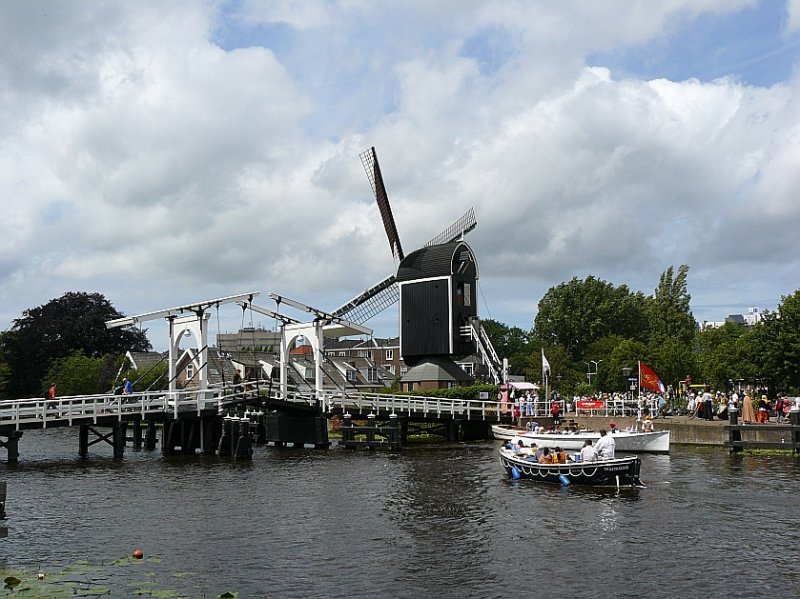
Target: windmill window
x=467 y=295
x=189 y=371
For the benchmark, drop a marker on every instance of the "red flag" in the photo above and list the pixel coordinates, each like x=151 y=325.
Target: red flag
x=648 y=379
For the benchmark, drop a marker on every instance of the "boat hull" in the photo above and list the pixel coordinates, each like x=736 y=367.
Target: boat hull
x=624 y=441
x=619 y=472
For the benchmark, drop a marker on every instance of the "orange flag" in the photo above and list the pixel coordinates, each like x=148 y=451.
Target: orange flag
x=648 y=379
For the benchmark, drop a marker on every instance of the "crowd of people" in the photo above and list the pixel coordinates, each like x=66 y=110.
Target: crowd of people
x=752 y=408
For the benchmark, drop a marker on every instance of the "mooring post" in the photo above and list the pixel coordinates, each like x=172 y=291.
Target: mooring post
x=734 y=433
x=794 y=419
x=225 y=442
x=371 y=431
x=394 y=442
x=244 y=446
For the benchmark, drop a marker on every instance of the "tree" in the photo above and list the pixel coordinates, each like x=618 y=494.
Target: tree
x=668 y=309
x=76 y=375
x=577 y=313
x=508 y=342
x=73 y=322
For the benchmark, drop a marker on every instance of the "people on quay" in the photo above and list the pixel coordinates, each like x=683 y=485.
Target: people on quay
x=555 y=412
x=691 y=405
x=733 y=402
x=762 y=414
x=708 y=404
x=587 y=452
x=546 y=457
x=127 y=387
x=778 y=408
x=605 y=446
x=51 y=392
x=748 y=412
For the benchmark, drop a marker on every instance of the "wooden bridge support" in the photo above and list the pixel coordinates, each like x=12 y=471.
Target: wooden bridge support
x=116 y=438
x=297 y=430
x=374 y=436
x=12 y=446
x=150 y=437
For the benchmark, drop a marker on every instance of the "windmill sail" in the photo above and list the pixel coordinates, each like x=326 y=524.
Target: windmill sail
x=386 y=293
x=370 y=161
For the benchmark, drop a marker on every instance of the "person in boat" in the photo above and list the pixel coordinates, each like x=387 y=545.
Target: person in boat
x=647 y=426
x=605 y=446
x=587 y=452
x=533 y=453
x=546 y=457
x=559 y=456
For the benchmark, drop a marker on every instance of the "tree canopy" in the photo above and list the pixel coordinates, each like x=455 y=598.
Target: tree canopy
x=74 y=322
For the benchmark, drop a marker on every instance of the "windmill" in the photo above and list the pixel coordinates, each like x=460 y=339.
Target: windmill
x=436 y=286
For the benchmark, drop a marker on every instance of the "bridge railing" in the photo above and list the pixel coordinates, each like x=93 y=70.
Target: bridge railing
x=38 y=412
x=416 y=405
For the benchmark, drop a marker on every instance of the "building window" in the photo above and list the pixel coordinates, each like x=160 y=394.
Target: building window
x=372 y=374
x=390 y=368
x=468 y=368
x=351 y=375
x=390 y=354
x=403 y=369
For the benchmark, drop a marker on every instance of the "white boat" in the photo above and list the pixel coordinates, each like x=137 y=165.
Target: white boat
x=624 y=440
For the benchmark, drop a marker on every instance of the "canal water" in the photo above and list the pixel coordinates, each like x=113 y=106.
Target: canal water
x=433 y=521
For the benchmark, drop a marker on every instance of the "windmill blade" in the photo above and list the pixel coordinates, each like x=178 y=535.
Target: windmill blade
x=371 y=302
x=370 y=161
x=461 y=227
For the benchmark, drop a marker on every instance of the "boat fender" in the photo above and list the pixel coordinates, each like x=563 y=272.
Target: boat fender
x=564 y=479
x=515 y=473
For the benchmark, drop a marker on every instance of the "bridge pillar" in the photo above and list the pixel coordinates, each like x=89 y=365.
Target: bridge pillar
x=209 y=439
x=12 y=446
x=119 y=436
x=150 y=437
x=137 y=434
x=83 y=440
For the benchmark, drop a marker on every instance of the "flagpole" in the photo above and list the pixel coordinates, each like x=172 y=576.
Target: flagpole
x=639 y=378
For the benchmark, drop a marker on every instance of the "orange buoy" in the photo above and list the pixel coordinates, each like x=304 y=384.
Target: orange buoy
x=138 y=554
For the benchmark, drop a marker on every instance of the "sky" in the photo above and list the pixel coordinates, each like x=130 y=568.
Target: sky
x=168 y=153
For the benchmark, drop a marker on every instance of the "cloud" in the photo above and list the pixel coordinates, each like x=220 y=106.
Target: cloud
x=164 y=154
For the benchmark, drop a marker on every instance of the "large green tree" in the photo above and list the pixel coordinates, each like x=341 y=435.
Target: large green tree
x=577 y=313
x=73 y=322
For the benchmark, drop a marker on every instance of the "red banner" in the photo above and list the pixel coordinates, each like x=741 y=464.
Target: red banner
x=648 y=379
x=590 y=404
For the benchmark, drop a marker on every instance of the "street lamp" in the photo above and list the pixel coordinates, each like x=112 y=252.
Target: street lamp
x=589 y=373
x=626 y=373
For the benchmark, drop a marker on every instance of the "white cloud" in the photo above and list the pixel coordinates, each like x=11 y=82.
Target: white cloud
x=145 y=161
